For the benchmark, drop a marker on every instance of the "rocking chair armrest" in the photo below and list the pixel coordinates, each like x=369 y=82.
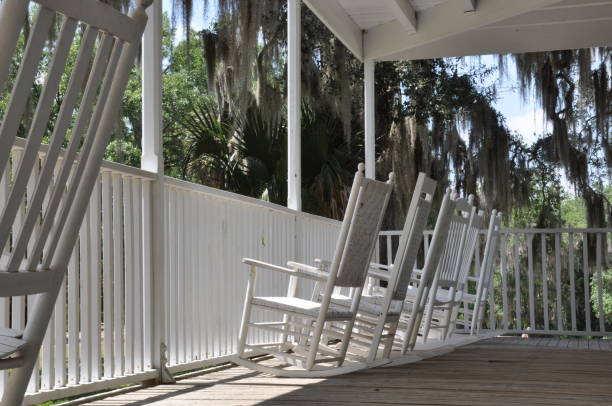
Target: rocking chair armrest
x=473 y=279
x=309 y=270
x=376 y=274
x=322 y=264
x=271 y=267
x=375 y=265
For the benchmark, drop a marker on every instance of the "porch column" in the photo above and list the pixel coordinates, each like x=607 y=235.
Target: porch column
x=154 y=205
x=294 y=83
x=369 y=118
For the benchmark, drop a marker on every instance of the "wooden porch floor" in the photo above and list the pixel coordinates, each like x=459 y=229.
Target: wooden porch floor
x=499 y=371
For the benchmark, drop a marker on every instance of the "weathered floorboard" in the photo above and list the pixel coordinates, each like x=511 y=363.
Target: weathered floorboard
x=503 y=370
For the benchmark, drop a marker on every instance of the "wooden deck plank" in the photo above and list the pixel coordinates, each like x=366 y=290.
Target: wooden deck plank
x=512 y=372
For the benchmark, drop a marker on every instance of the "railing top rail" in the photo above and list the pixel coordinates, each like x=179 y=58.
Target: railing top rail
x=522 y=231
x=197 y=188
x=20 y=144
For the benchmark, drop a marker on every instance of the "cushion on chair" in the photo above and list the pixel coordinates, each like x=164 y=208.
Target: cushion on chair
x=301 y=306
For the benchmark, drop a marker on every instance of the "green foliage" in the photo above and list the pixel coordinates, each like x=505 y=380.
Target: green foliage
x=606 y=285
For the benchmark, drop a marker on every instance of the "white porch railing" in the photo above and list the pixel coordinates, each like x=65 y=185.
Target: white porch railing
x=546 y=281
x=99 y=336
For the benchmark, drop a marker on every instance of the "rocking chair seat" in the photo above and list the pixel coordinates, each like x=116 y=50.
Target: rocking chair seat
x=10 y=345
x=301 y=306
x=370 y=304
x=442 y=296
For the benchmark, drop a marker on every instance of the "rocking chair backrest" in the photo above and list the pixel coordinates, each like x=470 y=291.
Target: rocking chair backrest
x=488 y=259
x=437 y=246
x=467 y=256
x=107 y=43
x=451 y=261
x=412 y=235
x=362 y=220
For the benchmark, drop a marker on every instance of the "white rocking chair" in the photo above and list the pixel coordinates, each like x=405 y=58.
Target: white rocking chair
x=308 y=321
x=415 y=297
x=379 y=312
x=446 y=320
x=474 y=303
x=36 y=263
x=441 y=298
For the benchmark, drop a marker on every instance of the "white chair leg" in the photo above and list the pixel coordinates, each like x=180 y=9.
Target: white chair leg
x=246 y=313
x=18 y=379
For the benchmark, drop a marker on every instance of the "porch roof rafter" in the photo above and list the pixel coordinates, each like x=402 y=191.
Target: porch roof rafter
x=421 y=29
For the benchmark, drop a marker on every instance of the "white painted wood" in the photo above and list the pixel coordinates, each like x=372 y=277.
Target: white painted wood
x=368 y=199
x=572 y=278
x=598 y=265
x=61 y=328
x=73 y=319
x=586 y=277
x=95 y=269
x=504 y=272
x=469 y=6
x=129 y=270
x=544 y=280
x=84 y=265
x=335 y=17
x=118 y=275
x=137 y=288
x=532 y=323
x=405 y=14
x=154 y=198
x=517 y=284
x=108 y=270
x=558 y=286
x=447 y=20
x=294 y=104
x=369 y=113
x=150 y=325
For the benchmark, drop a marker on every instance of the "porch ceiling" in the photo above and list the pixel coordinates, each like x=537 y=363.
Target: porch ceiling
x=418 y=29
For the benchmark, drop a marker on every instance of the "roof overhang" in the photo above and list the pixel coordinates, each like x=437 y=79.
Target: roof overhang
x=420 y=29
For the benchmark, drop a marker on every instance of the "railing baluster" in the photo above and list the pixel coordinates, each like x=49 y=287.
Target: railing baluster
x=558 y=286
x=544 y=282
x=95 y=244
x=504 y=273
x=532 y=322
x=137 y=272
x=128 y=237
x=570 y=244
x=107 y=272
x=517 y=283
x=118 y=275
x=73 y=319
x=598 y=264
x=586 y=268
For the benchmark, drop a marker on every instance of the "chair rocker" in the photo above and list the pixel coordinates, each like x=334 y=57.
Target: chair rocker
x=35 y=263
x=309 y=322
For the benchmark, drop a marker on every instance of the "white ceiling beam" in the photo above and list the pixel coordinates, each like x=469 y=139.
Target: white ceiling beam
x=559 y=15
x=405 y=14
x=469 y=6
x=442 y=21
x=506 y=40
x=331 y=13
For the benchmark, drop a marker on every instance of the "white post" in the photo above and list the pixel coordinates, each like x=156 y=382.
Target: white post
x=153 y=161
x=294 y=82
x=369 y=118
